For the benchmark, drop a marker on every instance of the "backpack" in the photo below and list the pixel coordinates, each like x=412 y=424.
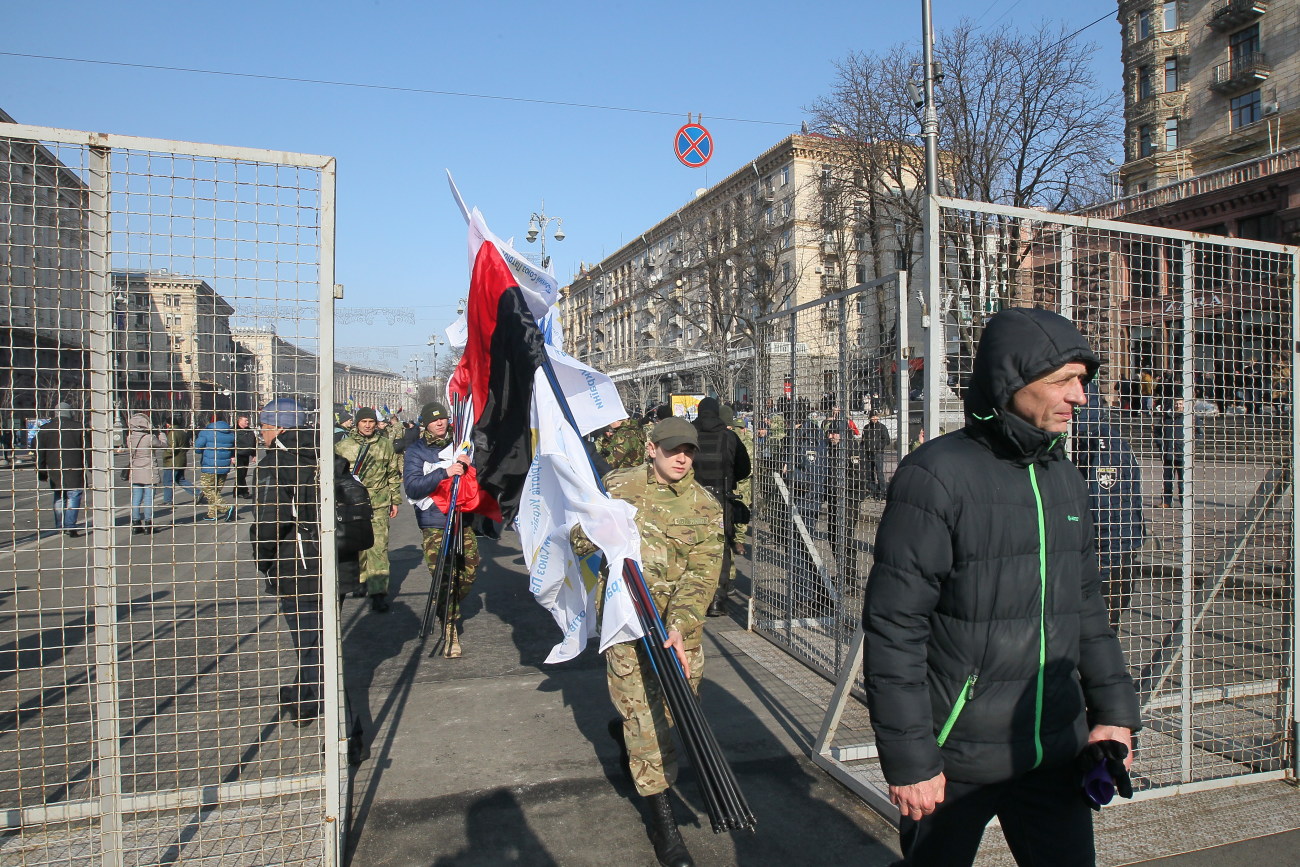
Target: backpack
x=353 y=532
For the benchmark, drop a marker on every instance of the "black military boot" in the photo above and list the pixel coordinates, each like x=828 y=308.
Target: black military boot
x=667 y=840
x=616 y=732
x=718 y=606
x=379 y=602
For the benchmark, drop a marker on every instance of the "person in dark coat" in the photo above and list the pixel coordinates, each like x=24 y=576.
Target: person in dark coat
x=720 y=462
x=245 y=453
x=61 y=461
x=1168 y=434
x=840 y=508
x=989 y=658
x=1114 y=482
x=804 y=471
x=874 y=444
x=286 y=544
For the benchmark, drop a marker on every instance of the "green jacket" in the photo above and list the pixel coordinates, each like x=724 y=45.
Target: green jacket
x=381 y=471
x=624 y=447
x=177 y=454
x=681 y=542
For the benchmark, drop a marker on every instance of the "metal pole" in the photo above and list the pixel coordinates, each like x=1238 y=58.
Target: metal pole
x=335 y=722
x=1183 y=487
x=902 y=352
x=1295 y=502
x=933 y=320
x=103 y=560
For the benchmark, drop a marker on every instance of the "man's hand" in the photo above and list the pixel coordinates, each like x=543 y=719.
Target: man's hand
x=675 y=643
x=392 y=511
x=457 y=468
x=919 y=799
x=1114 y=733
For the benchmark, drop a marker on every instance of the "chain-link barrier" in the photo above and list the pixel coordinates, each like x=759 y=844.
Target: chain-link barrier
x=146 y=714
x=1187 y=446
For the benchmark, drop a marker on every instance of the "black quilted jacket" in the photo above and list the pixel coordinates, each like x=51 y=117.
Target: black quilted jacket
x=988 y=649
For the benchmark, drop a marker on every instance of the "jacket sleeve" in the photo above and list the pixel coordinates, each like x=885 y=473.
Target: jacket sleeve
x=394 y=481
x=417 y=483
x=913 y=557
x=740 y=466
x=272 y=517
x=1108 y=691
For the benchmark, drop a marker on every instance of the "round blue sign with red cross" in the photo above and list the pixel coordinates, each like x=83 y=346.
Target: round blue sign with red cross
x=694 y=145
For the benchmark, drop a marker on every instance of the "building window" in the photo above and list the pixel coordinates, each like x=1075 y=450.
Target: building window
x=1144 y=82
x=1171 y=75
x=900 y=260
x=786 y=272
x=1245 y=109
x=142 y=358
x=1170 y=15
x=1146 y=146
x=786 y=239
x=1243 y=43
x=1171 y=134
x=1144 y=24
x=785 y=176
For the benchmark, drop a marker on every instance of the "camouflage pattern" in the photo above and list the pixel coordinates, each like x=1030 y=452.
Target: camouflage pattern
x=210 y=484
x=461 y=577
x=744 y=488
x=681 y=544
x=381 y=473
x=622 y=447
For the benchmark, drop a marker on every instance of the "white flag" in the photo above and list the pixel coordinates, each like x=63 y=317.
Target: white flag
x=561 y=492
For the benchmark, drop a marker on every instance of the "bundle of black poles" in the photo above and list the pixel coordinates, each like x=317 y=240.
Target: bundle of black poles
x=451 y=532
x=728 y=810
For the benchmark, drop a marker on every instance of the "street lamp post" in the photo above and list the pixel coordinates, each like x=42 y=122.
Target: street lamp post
x=435 y=343
x=537 y=224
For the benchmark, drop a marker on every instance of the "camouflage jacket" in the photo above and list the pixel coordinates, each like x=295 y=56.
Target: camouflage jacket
x=381 y=471
x=623 y=448
x=681 y=542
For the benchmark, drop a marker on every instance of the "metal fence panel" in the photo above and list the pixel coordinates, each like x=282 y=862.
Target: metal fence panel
x=157 y=284
x=1189 y=446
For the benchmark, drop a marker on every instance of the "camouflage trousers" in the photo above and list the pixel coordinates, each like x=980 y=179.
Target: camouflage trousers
x=647 y=724
x=374 y=560
x=461 y=578
x=210 y=484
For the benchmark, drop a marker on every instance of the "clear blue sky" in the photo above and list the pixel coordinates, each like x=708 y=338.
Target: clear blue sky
x=401 y=242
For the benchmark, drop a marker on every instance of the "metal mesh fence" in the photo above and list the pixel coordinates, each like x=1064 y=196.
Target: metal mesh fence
x=830 y=373
x=150 y=294
x=1187 y=446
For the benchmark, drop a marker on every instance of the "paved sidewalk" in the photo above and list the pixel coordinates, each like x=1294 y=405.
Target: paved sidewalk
x=496 y=758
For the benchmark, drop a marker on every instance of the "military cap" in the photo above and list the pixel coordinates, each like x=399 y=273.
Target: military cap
x=432 y=412
x=367 y=412
x=673 y=432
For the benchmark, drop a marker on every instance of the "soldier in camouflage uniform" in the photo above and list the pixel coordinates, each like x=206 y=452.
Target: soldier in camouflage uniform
x=681 y=545
x=420 y=484
x=381 y=473
x=743 y=487
x=622 y=444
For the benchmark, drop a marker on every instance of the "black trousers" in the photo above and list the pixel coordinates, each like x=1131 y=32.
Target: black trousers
x=1044 y=816
x=302 y=614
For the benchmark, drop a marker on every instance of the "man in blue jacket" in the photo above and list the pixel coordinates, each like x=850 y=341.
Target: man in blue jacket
x=214 y=452
x=989 y=659
x=428 y=462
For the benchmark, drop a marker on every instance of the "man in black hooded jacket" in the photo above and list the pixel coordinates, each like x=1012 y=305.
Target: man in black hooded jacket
x=720 y=462
x=989 y=658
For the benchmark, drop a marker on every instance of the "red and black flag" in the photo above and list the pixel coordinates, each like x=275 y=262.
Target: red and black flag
x=503 y=350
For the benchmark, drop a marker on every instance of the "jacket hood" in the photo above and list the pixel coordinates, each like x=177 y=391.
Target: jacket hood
x=1019 y=345
x=708 y=415
x=140 y=423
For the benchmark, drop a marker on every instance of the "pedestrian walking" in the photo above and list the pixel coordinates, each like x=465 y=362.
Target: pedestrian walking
x=989 y=660
x=144 y=448
x=874 y=445
x=61 y=461
x=430 y=461
x=285 y=534
x=214 y=453
x=175 y=460
x=720 y=462
x=680 y=523
x=245 y=454
x=369 y=451
x=1168 y=434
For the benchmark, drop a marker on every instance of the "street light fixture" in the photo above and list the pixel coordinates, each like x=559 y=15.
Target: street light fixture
x=537 y=224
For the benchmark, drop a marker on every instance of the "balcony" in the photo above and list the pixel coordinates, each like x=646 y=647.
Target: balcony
x=1236 y=13
x=1241 y=73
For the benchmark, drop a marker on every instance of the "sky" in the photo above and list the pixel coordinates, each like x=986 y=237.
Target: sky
x=750 y=69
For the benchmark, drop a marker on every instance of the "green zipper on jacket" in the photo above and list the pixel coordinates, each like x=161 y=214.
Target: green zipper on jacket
x=967 y=692
x=1042 y=614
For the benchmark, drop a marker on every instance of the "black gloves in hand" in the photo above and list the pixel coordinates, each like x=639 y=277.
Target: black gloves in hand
x=1102 y=765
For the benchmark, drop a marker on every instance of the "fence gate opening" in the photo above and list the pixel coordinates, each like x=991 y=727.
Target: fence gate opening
x=150 y=293
x=1188 y=447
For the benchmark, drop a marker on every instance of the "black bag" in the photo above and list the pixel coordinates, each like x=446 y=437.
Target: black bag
x=353 y=532
x=739 y=511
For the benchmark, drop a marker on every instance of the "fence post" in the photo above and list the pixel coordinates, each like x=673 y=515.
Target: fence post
x=103 y=567
x=1183 y=488
x=902 y=354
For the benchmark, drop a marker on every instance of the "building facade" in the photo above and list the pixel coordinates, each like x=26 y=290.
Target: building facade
x=378 y=389
x=272 y=367
x=44 y=262
x=675 y=310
